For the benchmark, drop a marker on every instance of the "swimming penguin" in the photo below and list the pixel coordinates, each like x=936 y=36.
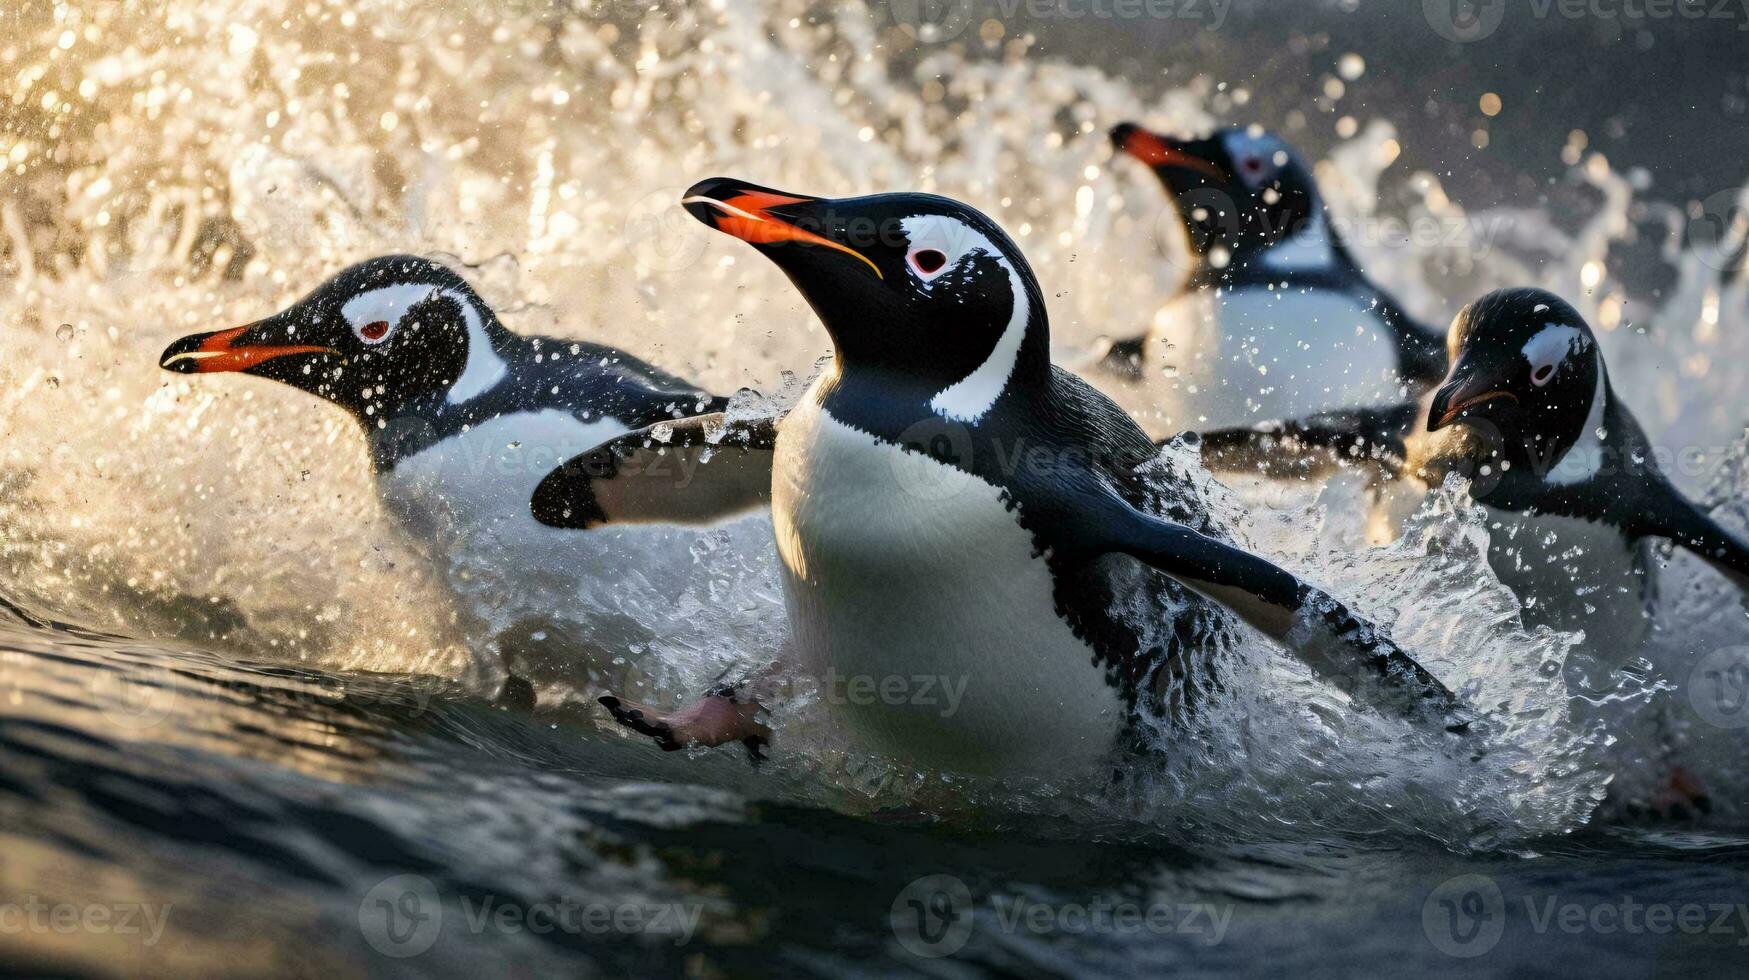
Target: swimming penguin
x=1275 y=319
x=1570 y=483
x=461 y=417
x=949 y=504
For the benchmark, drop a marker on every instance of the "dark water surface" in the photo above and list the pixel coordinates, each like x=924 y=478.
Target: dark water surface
x=172 y=813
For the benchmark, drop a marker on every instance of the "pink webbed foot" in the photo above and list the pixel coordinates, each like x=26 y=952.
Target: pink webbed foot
x=1682 y=796
x=716 y=719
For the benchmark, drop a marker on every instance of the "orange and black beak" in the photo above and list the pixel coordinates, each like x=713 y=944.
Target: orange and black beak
x=759 y=215
x=229 y=350
x=1159 y=151
x=1462 y=396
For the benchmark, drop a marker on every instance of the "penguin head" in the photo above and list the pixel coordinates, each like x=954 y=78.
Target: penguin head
x=1526 y=368
x=922 y=289
x=1240 y=190
x=375 y=339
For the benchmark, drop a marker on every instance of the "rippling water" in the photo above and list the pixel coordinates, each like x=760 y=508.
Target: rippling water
x=236 y=701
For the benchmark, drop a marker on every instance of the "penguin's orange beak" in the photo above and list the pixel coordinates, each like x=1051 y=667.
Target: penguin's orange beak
x=1156 y=151
x=206 y=353
x=745 y=211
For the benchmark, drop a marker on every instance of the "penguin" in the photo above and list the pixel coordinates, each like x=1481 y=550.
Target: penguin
x=946 y=503
x=1570 y=484
x=1276 y=320
x=461 y=418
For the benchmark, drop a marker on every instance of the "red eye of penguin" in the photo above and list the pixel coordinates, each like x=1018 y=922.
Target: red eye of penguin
x=1542 y=374
x=374 y=331
x=928 y=260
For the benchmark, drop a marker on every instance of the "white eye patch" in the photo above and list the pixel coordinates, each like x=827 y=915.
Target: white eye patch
x=367 y=312
x=939 y=243
x=1550 y=348
x=968 y=399
x=1257 y=156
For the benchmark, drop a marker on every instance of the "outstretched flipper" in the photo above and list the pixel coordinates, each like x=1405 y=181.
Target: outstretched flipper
x=1668 y=514
x=716 y=719
x=1340 y=647
x=690 y=471
x=1313 y=446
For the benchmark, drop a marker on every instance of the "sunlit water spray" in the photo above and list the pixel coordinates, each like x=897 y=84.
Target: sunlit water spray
x=173 y=170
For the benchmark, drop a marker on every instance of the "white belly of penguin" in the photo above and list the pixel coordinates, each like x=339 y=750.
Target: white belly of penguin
x=904 y=574
x=1570 y=575
x=473 y=489
x=1255 y=355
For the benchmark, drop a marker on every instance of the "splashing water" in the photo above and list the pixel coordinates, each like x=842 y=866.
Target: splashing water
x=173 y=170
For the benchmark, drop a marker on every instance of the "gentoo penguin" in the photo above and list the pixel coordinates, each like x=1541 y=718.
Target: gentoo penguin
x=949 y=504
x=461 y=417
x=1570 y=483
x=1275 y=319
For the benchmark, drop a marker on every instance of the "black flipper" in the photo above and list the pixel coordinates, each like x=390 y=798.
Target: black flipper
x=1341 y=648
x=1671 y=515
x=1313 y=446
x=689 y=471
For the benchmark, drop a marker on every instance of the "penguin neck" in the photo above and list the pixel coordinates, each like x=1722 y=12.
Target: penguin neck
x=489 y=348
x=397 y=423
x=1019 y=362
x=1584 y=457
x=1310 y=249
x=1581 y=478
